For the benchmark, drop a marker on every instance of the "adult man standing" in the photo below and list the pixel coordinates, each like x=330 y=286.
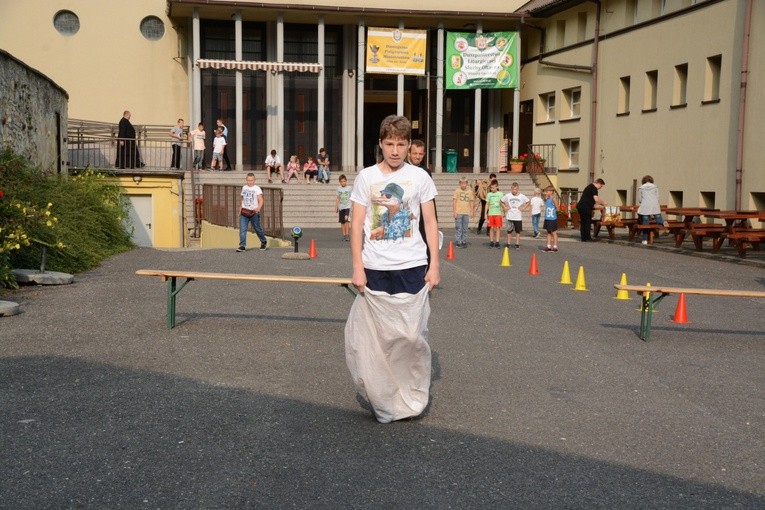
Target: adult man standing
x=586 y=205
x=386 y=336
x=127 y=150
x=223 y=127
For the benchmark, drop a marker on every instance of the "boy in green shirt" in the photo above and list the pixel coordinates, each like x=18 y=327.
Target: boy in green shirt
x=494 y=213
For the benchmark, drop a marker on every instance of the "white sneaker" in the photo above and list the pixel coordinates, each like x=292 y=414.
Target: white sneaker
x=644 y=242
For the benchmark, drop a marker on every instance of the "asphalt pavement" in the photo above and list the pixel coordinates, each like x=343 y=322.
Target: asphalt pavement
x=542 y=396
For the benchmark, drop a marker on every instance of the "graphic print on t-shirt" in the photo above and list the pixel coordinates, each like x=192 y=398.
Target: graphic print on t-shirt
x=392 y=216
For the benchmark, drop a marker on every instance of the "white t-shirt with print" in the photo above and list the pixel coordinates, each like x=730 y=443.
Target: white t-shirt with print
x=514 y=202
x=218 y=143
x=392 y=239
x=250 y=196
x=273 y=160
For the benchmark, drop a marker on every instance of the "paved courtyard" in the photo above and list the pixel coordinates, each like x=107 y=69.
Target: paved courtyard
x=542 y=396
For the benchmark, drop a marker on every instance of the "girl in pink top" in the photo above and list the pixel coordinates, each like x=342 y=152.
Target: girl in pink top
x=310 y=170
x=293 y=168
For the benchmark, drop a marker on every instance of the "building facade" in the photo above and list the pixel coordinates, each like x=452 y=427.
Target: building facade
x=610 y=88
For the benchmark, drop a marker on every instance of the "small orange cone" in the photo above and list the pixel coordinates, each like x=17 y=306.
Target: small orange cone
x=681 y=315
x=533 y=269
x=450 y=251
x=312 y=249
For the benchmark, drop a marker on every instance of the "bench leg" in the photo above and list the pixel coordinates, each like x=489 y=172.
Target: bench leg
x=172 y=291
x=646 y=315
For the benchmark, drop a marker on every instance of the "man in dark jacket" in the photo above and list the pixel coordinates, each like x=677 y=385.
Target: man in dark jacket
x=586 y=205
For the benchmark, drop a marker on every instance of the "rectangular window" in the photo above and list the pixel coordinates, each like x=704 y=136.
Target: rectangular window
x=560 y=34
x=712 y=78
x=624 y=95
x=630 y=14
x=581 y=33
x=572 y=100
x=571 y=149
x=547 y=107
x=649 y=96
x=680 y=86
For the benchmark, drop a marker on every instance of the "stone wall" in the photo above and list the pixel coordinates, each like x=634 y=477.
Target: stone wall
x=33 y=114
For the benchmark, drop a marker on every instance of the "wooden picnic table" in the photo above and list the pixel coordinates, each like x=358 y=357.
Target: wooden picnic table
x=738 y=230
x=689 y=226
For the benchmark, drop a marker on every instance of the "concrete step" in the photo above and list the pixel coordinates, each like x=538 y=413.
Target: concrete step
x=312 y=205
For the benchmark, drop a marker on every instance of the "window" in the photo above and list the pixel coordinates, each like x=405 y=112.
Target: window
x=152 y=28
x=631 y=12
x=571 y=150
x=680 y=86
x=712 y=78
x=572 y=100
x=624 y=96
x=581 y=33
x=547 y=110
x=560 y=34
x=649 y=97
x=66 y=22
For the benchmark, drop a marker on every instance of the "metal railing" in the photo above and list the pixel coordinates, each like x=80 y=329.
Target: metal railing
x=221 y=205
x=106 y=152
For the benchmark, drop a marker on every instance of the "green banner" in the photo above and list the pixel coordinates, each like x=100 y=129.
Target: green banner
x=481 y=61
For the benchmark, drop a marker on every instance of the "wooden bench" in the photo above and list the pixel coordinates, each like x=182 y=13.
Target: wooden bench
x=173 y=289
x=698 y=233
x=740 y=239
x=648 y=303
x=611 y=226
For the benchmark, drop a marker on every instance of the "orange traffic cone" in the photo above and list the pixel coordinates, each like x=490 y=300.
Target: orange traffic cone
x=681 y=315
x=450 y=251
x=312 y=250
x=533 y=269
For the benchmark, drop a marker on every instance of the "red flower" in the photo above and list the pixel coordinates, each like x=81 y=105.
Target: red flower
x=1 y=194
x=199 y=200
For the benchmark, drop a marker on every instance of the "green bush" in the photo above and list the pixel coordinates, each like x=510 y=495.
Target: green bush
x=79 y=219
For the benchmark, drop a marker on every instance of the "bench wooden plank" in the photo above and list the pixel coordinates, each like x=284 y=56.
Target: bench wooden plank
x=197 y=275
x=171 y=276
x=643 y=289
x=648 y=302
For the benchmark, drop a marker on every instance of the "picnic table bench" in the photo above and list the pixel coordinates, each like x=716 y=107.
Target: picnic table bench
x=171 y=276
x=742 y=240
x=647 y=305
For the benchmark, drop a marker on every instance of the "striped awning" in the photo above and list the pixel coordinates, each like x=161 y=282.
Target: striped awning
x=244 y=65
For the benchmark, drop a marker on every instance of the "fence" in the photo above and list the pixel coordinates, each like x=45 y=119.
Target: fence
x=102 y=152
x=221 y=205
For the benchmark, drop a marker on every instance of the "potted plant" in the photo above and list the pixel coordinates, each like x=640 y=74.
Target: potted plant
x=516 y=164
x=574 y=215
x=562 y=217
x=537 y=163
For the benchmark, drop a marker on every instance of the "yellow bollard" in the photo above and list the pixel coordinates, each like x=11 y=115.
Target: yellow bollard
x=623 y=294
x=580 y=283
x=565 y=277
x=506 y=258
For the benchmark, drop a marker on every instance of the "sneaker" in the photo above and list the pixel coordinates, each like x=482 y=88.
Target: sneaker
x=517 y=246
x=666 y=224
x=240 y=249
x=547 y=248
x=554 y=248
x=263 y=246
x=644 y=242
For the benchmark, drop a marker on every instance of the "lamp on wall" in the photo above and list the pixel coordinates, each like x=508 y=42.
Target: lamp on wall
x=137 y=179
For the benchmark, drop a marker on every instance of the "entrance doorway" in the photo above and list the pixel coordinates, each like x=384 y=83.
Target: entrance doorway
x=142 y=218
x=374 y=113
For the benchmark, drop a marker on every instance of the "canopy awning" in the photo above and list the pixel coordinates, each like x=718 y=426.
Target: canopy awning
x=244 y=65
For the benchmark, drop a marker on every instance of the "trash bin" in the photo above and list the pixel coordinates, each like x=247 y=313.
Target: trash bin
x=450 y=160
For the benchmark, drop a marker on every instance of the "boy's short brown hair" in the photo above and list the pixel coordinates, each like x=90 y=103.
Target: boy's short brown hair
x=395 y=126
x=550 y=188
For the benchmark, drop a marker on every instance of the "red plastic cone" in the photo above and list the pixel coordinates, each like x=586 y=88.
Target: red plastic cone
x=533 y=269
x=312 y=249
x=450 y=251
x=681 y=315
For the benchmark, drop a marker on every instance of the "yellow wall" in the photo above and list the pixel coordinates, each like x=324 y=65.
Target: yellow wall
x=167 y=210
x=108 y=66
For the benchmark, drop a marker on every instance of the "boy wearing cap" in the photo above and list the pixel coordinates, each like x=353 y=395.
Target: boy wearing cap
x=386 y=335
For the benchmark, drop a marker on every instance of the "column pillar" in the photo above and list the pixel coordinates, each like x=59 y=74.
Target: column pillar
x=239 y=112
x=196 y=73
x=320 y=87
x=437 y=163
x=360 y=66
x=477 y=120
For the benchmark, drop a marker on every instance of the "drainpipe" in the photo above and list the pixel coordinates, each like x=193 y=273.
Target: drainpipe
x=742 y=103
x=594 y=92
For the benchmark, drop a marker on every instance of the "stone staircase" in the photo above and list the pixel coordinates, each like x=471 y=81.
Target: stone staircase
x=313 y=205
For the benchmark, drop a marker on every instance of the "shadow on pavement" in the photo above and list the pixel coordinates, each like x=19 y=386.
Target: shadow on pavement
x=87 y=435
